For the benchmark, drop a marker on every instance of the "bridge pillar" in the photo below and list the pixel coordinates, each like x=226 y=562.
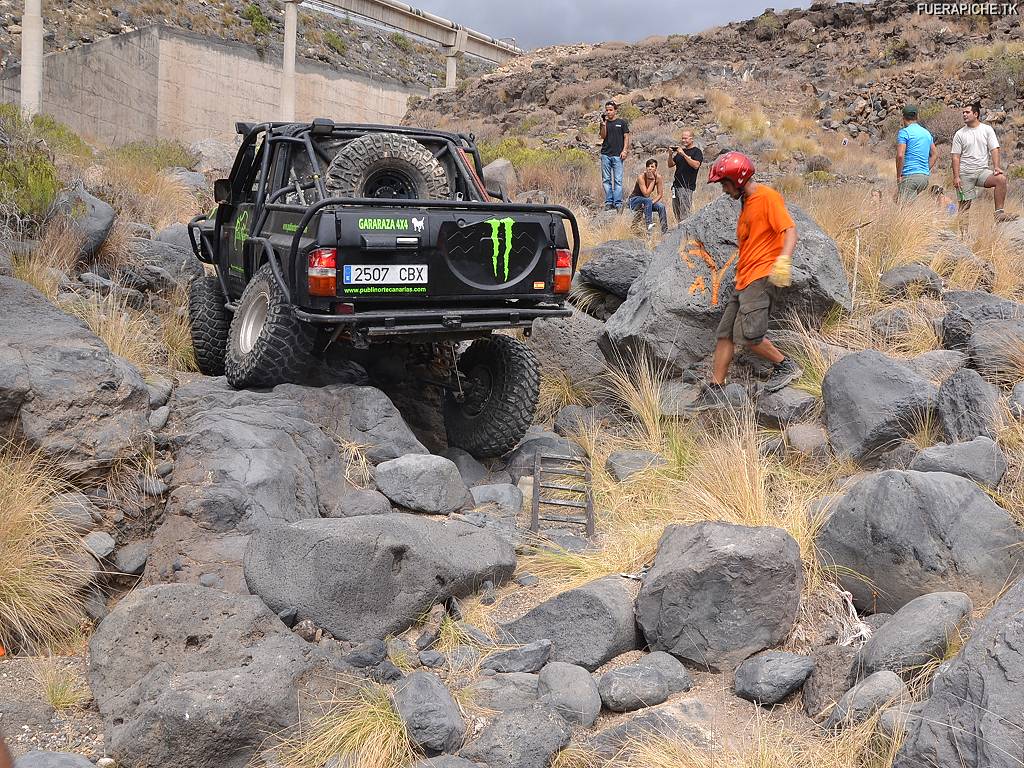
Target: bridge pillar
x=32 y=58
x=451 y=61
x=291 y=30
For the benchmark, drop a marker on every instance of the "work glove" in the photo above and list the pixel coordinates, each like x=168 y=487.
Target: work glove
x=781 y=275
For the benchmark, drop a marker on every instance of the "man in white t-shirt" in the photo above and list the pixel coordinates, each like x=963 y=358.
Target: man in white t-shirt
x=972 y=146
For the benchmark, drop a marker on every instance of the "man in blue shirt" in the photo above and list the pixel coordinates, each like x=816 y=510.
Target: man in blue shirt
x=915 y=156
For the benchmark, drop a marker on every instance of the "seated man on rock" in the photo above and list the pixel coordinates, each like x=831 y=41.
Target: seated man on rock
x=648 y=193
x=766 y=235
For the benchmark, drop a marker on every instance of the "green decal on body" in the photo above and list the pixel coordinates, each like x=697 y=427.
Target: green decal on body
x=241 y=228
x=385 y=225
x=290 y=227
x=236 y=268
x=501 y=230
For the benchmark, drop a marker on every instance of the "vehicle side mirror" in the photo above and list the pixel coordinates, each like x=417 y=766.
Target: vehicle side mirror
x=222 y=190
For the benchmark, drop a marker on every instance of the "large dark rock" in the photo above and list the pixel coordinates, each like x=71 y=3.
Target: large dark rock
x=623 y=464
x=571 y=690
x=970 y=311
x=975 y=715
x=361 y=415
x=919 y=632
x=159 y=262
x=189 y=677
x=431 y=716
x=375 y=575
x=520 y=738
x=909 y=280
x=968 y=407
x=633 y=686
x=62 y=392
x=615 y=265
x=423 y=483
x=980 y=460
x=243 y=461
x=786 y=406
x=871 y=401
x=527 y=658
x=91 y=218
x=673 y=309
x=873 y=693
x=588 y=625
x=693 y=605
x=505 y=690
x=995 y=349
x=686 y=720
x=521 y=460
x=898 y=535
x=829 y=680
x=568 y=346
x=770 y=677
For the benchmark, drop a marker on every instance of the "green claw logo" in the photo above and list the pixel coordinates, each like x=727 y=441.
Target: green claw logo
x=241 y=228
x=497 y=226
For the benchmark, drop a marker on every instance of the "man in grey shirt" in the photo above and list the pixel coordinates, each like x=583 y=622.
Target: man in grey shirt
x=972 y=146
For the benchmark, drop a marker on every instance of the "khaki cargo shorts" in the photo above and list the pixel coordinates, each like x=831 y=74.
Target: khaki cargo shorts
x=972 y=182
x=746 y=315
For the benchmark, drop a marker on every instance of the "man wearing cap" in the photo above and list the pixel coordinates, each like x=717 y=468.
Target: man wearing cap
x=915 y=156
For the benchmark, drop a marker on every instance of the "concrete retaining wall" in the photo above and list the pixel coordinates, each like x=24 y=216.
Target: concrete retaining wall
x=166 y=83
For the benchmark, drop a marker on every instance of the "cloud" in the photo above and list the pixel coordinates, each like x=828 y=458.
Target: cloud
x=536 y=23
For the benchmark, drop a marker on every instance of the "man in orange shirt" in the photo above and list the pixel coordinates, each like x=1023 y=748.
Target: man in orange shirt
x=766 y=235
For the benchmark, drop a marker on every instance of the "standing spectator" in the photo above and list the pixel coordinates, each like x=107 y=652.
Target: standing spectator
x=915 y=156
x=648 y=193
x=972 y=146
x=614 y=146
x=686 y=159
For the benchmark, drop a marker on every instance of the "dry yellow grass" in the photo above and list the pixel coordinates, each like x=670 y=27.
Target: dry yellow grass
x=715 y=471
x=557 y=390
x=124 y=330
x=41 y=558
x=58 y=251
x=141 y=192
x=61 y=685
x=358 y=726
x=598 y=227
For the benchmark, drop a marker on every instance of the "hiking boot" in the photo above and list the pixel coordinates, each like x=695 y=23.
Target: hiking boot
x=650 y=227
x=783 y=374
x=711 y=397
x=1002 y=216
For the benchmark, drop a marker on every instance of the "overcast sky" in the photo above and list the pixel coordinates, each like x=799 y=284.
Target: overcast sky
x=535 y=23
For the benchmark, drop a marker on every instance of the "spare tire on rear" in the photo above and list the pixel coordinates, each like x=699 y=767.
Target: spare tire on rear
x=387 y=166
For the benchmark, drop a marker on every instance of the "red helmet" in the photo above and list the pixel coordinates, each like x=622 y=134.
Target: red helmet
x=734 y=166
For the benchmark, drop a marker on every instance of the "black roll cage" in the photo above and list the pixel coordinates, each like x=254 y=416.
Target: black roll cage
x=301 y=134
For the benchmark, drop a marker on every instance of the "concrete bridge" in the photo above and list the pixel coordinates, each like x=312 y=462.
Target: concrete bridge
x=451 y=37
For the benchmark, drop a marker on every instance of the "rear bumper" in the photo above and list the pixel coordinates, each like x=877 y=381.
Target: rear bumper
x=386 y=323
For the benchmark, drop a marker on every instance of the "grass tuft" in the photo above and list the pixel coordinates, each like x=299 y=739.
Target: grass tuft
x=358 y=726
x=41 y=559
x=121 y=328
x=62 y=686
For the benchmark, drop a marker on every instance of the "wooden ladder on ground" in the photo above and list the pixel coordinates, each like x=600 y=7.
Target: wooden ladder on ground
x=569 y=478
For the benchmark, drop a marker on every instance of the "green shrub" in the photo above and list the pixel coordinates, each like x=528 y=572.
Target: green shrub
x=401 y=41
x=254 y=15
x=158 y=155
x=820 y=177
x=335 y=42
x=767 y=26
x=520 y=154
x=629 y=111
x=29 y=181
x=60 y=138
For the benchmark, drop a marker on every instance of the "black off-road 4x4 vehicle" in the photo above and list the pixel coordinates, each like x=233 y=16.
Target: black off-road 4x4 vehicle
x=383 y=239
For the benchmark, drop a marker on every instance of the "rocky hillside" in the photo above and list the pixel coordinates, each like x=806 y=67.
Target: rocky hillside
x=309 y=576
x=338 y=42
x=846 y=68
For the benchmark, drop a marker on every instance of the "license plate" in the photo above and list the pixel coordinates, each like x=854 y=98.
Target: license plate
x=385 y=274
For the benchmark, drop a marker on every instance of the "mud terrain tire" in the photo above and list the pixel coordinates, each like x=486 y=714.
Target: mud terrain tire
x=502 y=383
x=267 y=344
x=387 y=165
x=208 y=323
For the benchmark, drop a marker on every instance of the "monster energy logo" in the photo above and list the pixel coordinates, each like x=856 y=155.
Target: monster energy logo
x=501 y=229
x=241 y=227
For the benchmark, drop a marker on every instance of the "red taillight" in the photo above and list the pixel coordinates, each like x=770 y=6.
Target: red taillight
x=563 y=271
x=323 y=272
